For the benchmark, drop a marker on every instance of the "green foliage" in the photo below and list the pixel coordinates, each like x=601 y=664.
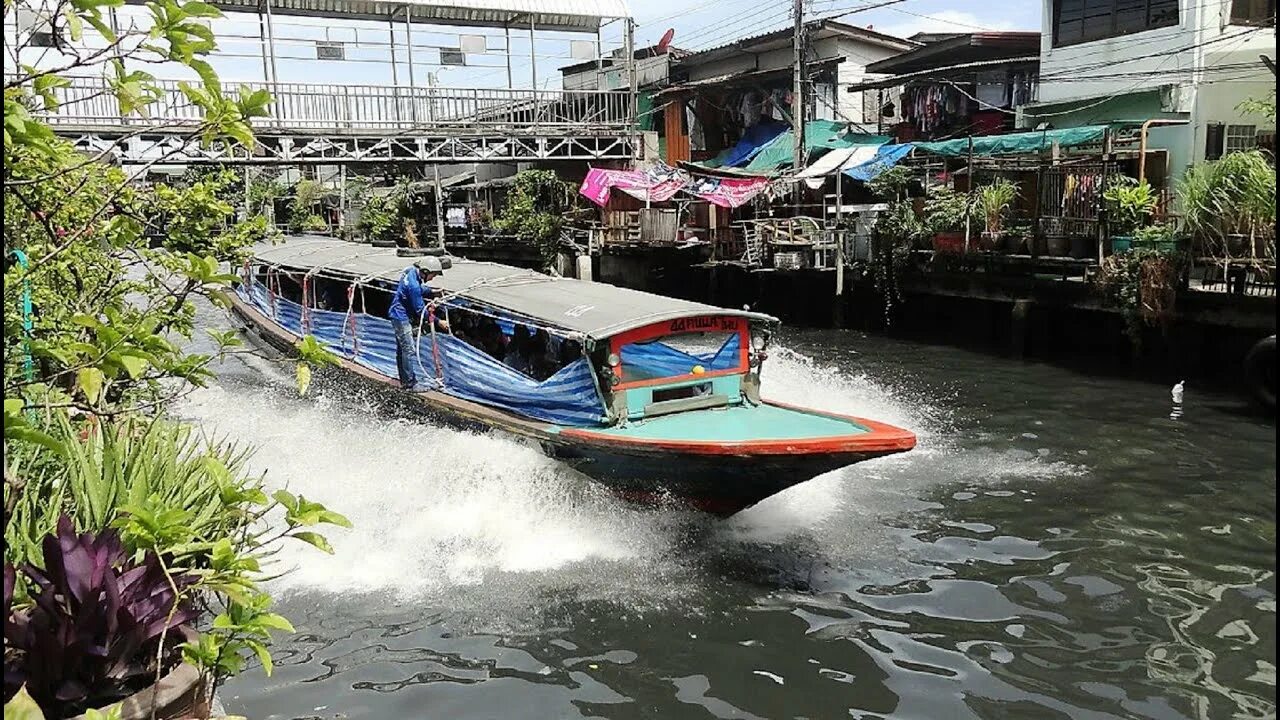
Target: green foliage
x=1142 y=283
x=304 y=208
x=1265 y=107
x=114 y=271
x=947 y=211
x=1157 y=233
x=892 y=240
x=310 y=353
x=1235 y=195
x=1129 y=205
x=535 y=211
x=995 y=199
x=891 y=184
x=111 y=468
x=382 y=218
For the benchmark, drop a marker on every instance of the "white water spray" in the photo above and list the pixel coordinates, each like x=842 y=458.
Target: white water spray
x=439 y=511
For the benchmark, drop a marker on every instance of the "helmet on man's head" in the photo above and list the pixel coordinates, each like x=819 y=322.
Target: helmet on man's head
x=430 y=264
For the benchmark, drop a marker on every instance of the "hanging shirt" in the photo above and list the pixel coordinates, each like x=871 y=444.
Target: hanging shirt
x=410 y=298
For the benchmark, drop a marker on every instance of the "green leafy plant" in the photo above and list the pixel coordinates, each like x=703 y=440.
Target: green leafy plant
x=114 y=270
x=382 y=217
x=1143 y=284
x=535 y=211
x=1265 y=106
x=1234 y=197
x=995 y=199
x=947 y=211
x=893 y=237
x=1129 y=205
x=1158 y=233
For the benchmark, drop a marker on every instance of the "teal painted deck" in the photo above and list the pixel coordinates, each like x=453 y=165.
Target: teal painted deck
x=739 y=423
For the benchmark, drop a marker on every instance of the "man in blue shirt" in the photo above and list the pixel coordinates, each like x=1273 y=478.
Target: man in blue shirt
x=407 y=305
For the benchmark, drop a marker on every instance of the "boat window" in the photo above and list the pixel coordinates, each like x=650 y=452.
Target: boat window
x=289 y=285
x=330 y=294
x=682 y=392
x=680 y=355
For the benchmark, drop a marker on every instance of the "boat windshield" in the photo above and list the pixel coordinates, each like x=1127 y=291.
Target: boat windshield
x=680 y=355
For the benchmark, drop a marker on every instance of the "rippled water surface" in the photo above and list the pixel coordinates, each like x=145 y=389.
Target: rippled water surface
x=1056 y=547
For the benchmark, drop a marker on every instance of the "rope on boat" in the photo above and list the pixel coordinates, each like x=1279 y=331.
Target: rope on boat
x=444 y=300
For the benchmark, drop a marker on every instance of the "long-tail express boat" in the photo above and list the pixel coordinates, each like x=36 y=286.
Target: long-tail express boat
x=657 y=397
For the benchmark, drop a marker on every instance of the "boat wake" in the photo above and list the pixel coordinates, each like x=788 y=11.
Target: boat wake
x=492 y=522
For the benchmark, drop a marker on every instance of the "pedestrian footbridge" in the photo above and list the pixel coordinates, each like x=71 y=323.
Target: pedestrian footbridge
x=352 y=124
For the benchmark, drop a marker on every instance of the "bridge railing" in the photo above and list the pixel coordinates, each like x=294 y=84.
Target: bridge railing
x=88 y=102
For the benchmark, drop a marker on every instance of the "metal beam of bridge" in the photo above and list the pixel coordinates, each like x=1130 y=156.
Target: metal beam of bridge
x=353 y=124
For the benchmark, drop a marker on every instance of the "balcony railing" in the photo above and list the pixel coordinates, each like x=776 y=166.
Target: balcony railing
x=366 y=109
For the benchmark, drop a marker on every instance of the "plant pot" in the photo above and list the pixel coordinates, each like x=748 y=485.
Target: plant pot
x=1081 y=247
x=1260 y=249
x=989 y=241
x=1164 y=246
x=951 y=243
x=1121 y=244
x=1014 y=244
x=180 y=694
x=1056 y=245
x=1237 y=245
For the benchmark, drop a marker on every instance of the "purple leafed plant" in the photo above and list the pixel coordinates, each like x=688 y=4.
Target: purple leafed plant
x=91 y=634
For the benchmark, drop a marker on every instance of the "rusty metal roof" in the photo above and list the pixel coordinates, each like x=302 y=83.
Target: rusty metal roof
x=560 y=15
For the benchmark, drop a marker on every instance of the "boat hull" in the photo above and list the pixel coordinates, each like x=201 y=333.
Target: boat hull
x=721 y=478
x=717 y=485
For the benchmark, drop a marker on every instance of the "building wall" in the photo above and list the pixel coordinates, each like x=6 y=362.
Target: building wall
x=1168 y=72
x=649 y=71
x=858 y=55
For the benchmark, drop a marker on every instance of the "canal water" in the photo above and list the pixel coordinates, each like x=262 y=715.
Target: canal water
x=1059 y=545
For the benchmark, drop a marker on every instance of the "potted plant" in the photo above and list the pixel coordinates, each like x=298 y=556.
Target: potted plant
x=947 y=215
x=994 y=200
x=1129 y=205
x=1162 y=237
x=1229 y=205
x=1017 y=238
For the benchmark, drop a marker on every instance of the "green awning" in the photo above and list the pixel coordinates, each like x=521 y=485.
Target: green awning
x=1035 y=141
x=819 y=136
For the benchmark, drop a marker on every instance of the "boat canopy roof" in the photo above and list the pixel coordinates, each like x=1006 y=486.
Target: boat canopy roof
x=597 y=310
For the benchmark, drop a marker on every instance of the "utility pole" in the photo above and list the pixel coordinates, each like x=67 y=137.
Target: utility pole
x=797 y=90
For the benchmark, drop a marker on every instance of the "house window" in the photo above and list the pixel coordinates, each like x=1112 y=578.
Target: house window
x=1241 y=138
x=1253 y=12
x=1080 y=21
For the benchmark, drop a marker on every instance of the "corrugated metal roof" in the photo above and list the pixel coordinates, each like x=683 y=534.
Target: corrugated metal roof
x=783 y=38
x=562 y=15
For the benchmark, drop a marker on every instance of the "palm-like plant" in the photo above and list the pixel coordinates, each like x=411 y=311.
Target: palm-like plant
x=995 y=200
x=1233 y=196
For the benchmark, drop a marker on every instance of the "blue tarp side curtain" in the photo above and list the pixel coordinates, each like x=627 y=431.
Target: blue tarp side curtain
x=567 y=398
x=657 y=359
